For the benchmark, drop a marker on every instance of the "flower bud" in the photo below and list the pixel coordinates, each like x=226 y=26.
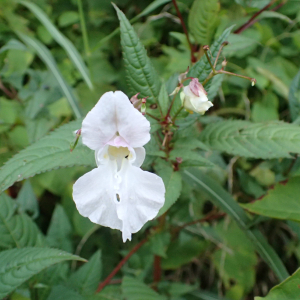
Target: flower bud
x=136 y=102
x=194 y=97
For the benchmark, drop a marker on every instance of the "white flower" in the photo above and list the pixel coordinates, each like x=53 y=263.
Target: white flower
x=194 y=97
x=118 y=194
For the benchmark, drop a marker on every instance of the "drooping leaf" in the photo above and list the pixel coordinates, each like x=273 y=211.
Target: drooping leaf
x=141 y=75
x=282 y=202
x=60 y=230
x=255 y=140
x=134 y=289
x=50 y=152
x=224 y=200
x=18 y=265
x=203 y=20
x=201 y=68
x=286 y=290
x=62 y=40
x=294 y=97
x=45 y=55
x=17 y=230
x=86 y=279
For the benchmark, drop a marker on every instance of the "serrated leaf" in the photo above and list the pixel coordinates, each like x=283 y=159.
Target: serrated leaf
x=214 y=87
x=62 y=40
x=224 y=200
x=50 y=152
x=86 y=279
x=254 y=140
x=45 y=55
x=294 y=97
x=163 y=100
x=134 y=289
x=60 y=230
x=201 y=68
x=173 y=185
x=272 y=204
x=286 y=290
x=17 y=230
x=142 y=77
x=18 y=265
x=203 y=20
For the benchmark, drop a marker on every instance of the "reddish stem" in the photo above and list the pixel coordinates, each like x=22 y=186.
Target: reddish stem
x=157 y=269
x=120 y=265
x=193 y=58
x=252 y=20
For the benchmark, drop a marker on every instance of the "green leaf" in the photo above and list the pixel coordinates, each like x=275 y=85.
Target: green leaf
x=17 y=230
x=141 y=75
x=203 y=20
x=163 y=100
x=86 y=279
x=224 y=200
x=272 y=204
x=133 y=289
x=294 y=97
x=61 y=292
x=286 y=290
x=173 y=185
x=68 y=18
x=62 y=40
x=267 y=109
x=254 y=140
x=28 y=201
x=203 y=295
x=214 y=88
x=18 y=265
x=201 y=68
x=48 y=59
x=60 y=230
x=50 y=152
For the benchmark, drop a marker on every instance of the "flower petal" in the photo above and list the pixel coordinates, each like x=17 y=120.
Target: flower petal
x=95 y=197
x=100 y=124
x=131 y=124
x=142 y=194
x=140 y=154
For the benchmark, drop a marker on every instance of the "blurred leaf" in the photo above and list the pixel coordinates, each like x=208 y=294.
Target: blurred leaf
x=13 y=44
x=68 y=18
x=224 y=200
x=20 y=264
x=47 y=57
x=215 y=86
x=274 y=14
x=60 y=230
x=256 y=140
x=17 y=61
x=86 y=279
x=173 y=185
x=203 y=295
x=110 y=292
x=28 y=201
x=286 y=290
x=182 y=252
x=50 y=152
x=203 y=20
x=272 y=204
x=17 y=230
x=163 y=99
x=133 y=289
x=294 y=97
x=142 y=77
x=266 y=110
x=253 y=3
x=60 y=39
x=201 y=68
x=159 y=243
x=61 y=292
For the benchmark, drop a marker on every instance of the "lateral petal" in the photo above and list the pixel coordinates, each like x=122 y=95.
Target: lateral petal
x=142 y=194
x=95 y=197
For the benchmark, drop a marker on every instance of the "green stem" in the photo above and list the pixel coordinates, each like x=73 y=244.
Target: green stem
x=83 y=29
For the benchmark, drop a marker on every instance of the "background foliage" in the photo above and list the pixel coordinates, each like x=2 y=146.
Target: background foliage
x=230 y=226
